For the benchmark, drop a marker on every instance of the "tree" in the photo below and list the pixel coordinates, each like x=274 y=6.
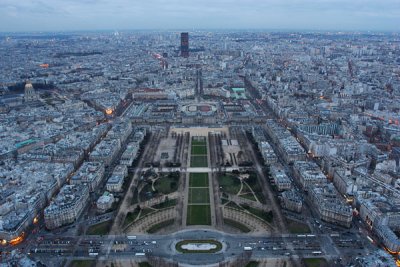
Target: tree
x=138 y=208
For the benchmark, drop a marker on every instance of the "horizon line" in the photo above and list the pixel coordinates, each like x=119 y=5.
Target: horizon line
x=271 y=30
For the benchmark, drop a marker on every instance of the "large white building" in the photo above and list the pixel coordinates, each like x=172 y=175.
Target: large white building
x=330 y=207
x=67 y=206
x=115 y=182
x=308 y=173
x=268 y=153
x=281 y=180
x=129 y=154
x=345 y=182
x=105 y=202
x=288 y=147
x=382 y=215
x=106 y=151
x=90 y=173
x=292 y=201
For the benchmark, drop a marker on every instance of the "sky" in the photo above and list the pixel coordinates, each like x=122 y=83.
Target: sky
x=72 y=15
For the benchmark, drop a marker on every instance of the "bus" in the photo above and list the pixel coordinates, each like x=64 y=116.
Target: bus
x=316 y=253
x=131 y=237
x=247 y=248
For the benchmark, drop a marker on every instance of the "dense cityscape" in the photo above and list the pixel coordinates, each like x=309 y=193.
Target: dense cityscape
x=205 y=148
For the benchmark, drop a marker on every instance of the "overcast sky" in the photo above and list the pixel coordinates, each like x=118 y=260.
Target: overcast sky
x=64 y=15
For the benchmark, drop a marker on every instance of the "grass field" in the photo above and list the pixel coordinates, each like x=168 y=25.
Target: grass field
x=230 y=184
x=315 y=262
x=198 y=161
x=130 y=217
x=145 y=211
x=82 y=263
x=248 y=196
x=198 y=215
x=199 y=150
x=167 y=184
x=165 y=204
x=157 y=227
x=199 y=195
x=199 y=141
x=198 y=180
x=99 y=229
x=266 y=216
x=255 y=185
x=252 y=264
x=297 y=227
x=243 y=228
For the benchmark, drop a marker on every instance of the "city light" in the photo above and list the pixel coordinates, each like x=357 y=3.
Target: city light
x=392 y=252
x=310 y=120
x=17 y=240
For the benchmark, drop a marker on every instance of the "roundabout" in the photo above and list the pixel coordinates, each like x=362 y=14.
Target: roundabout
x=198 y=246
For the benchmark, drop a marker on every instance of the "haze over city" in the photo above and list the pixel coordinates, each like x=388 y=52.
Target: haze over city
x=72 y=15
x=232 y=133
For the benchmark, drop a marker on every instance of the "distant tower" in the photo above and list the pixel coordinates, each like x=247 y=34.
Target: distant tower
x=29 y=93
x=350 y=67
x=199 y=82
x=185 y=44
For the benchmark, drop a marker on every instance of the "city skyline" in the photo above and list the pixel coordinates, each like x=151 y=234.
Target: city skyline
x=72 y=15
x=227 y=133
x=265 y=148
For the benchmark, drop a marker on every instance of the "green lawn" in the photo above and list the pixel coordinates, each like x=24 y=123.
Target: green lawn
x=198 y=215
x=147 y=192
x=146 y=211
x=266 y=216
x=165 y=204
x=199 y=141
x=315 y=262
x=199 y=195
x=130 y=217
x=99 y=229
x=248 y=196
x=229 y=183
x=157 y=227
x=254 y=183
x=297 y=227
x=243 y=228
x=198 y=161
x=198 y=180
x=83 y=263
x=199 y=150
x=166 y=184
x=252 y=264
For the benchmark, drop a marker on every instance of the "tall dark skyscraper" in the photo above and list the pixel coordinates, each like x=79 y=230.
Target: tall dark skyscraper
x=185 y=44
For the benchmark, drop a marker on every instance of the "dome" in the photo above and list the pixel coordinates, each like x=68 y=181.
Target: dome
x=28 y=86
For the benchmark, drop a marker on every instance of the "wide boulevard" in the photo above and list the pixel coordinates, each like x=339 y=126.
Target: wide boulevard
x=163 y=246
